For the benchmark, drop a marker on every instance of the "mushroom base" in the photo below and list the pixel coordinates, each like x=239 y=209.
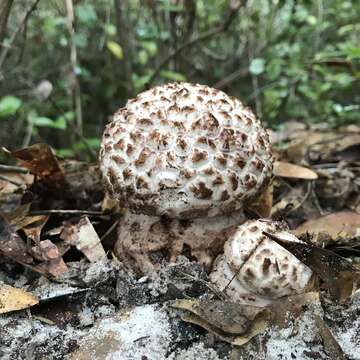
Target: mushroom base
x=140 y=236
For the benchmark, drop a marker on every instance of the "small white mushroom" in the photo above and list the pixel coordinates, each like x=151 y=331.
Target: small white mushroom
x=180 y=152
x=257 y=270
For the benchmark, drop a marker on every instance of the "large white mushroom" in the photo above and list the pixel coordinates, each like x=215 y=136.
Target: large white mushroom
x=182 y=159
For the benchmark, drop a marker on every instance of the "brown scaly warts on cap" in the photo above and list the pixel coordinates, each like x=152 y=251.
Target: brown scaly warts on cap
x=257 y=270
x=183 y=151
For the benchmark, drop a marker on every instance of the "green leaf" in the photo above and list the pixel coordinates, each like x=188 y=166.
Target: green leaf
x=110 y=29
x=311 y=20
x=140 y=81
x=65 y=152
x=143 y=57
x=115 y=49
x=93 y=143
x=257 y=66
x=172 y=75
x=150 y=47
x=80 y=40
x=42 y=121
x=9 y=105
x=68 y=116
x=86 y=13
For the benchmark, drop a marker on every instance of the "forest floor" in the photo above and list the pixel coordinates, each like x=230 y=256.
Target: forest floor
x=63 y=294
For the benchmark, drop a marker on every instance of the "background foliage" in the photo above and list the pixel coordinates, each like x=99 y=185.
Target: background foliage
x=288 y=60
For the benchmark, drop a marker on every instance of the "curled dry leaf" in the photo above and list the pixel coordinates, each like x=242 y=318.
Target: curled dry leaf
x=31 y=225
x=52 y=261
x=285 y=169
x=83 y=235
x=12 y=299
x=337 y=273
x=41 y=161
x=231 y=322
x=262 y=205
x=340 y=227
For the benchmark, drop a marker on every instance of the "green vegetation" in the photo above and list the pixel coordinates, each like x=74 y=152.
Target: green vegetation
x=288 y=60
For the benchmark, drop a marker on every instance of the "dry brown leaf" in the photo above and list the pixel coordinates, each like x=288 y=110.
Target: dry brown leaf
x=285 y=169
x=287 y=308
x=41 y=161
x=231 y=322
x=17 y=215
x=262 y=205
x=12 y=299
x=331 y=345
x=13 y=181
x=11 y=244
x=339 y=226
x=83 y=235
x=298 y=148
x=33 y=226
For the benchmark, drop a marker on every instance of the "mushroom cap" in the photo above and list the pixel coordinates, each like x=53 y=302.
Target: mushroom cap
x=255 y=269
x=184 y=150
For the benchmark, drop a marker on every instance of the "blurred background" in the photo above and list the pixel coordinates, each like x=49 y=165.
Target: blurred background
x=67 y=65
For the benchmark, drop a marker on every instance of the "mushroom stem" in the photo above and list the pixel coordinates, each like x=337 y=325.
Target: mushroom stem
x=141 y=238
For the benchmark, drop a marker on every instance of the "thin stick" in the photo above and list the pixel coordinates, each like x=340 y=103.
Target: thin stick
x=62 y=211
x=6 y=49
x=73 y=61
x=92 y=153
x=109 y=230
x=4 y=178
x=17 y=169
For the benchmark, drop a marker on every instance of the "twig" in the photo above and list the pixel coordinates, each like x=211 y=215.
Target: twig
x=28 y=134
x=73 y=62
x=202 y=37
x=16 y=169
x=5 y=8
x=230 y=78
x=62 y=211
x=241 y=266
x=109 y=230
x=6 y=49
x=92 y=153
x=218 y=293
x=254 y=78
x=302 y=202
x=4 y=178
